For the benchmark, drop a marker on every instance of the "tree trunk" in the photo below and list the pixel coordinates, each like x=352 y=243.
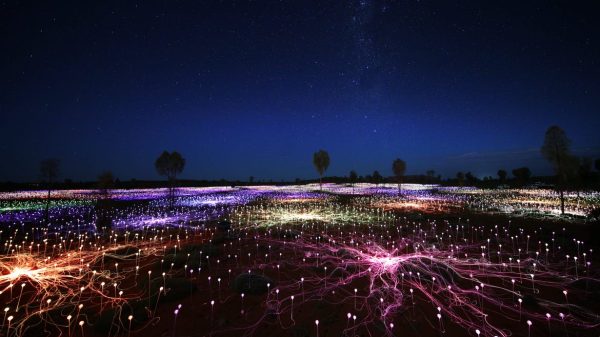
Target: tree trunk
x=320 y=183
x=173 y=191
x=170 y=192
x=48 y=206
x=562 y=202
x=399 y=186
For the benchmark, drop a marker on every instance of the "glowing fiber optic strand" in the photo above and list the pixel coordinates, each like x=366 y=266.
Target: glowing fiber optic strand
x=465 y=286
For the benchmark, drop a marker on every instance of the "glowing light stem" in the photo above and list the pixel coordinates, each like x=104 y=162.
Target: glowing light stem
x=292 y=308
x=81 y=327
x=10 y=318
x=149 y=289
x=20 y=294
x=212 y=308
x=242 y=301
x=69 y=324
x=520 y=303
x=129 y=330
x=176 y=312
x=157 y=300
x=5 y=313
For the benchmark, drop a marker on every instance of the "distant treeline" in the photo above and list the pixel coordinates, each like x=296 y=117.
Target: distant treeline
x=469 y=180
x=570 y=173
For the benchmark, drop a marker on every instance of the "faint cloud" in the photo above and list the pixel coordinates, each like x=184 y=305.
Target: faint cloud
x=485 y=163
x=496 y=154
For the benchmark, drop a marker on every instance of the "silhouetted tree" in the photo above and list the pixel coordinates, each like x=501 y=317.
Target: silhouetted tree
x=251 y=179
x=399 y=168
x=106 y=181
x=471 y=179
x=522 y=175
x=584 y=173
x=170 y=165
x=502 y=176
x=353 y=176
x=321 y=162
x=556 y=149
x=377 y=178
x=430 y=176
x=49 y=171
x=461 y=178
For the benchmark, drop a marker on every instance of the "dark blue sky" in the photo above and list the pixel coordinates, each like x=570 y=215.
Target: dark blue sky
x=254 y=88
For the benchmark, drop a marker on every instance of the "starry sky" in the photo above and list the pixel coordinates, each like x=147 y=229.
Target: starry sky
x=245 y=88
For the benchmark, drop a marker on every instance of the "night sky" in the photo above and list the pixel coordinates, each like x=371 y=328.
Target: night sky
x=254 y=88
